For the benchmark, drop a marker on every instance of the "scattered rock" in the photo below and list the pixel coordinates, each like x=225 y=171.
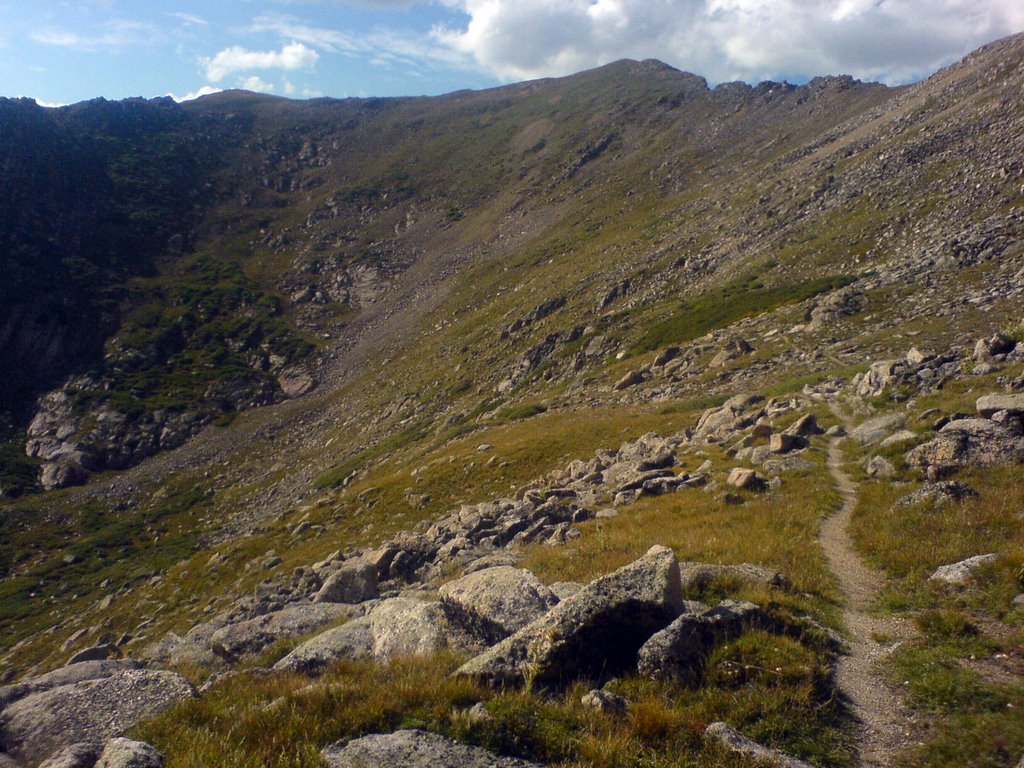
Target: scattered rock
x=961 y=573
x=414 y=749
x=631 y=379
x=741 y=477
x=997 y=344
x=939 y=493
x=733 y=741
x=879 y=466
x=604 y=701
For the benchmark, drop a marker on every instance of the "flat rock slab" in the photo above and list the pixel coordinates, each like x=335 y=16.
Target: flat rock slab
x=989 y=405
x=252 y=636
x=353 y=640
x=975 y=442
x=495 y=602
x=733 y=741
x=93 y=710
x=66 y=675
x=414 y=749
x=593 y=633
x=962 y=572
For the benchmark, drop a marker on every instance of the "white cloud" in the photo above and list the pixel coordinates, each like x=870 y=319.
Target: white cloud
x=113 y=34
x=190 y=19
x=254 y=83
x=382 y=47
x=206 y=90
x=237 y=59
x=892 y=40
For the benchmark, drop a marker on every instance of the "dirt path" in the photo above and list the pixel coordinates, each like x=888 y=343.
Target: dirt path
x=885 y=720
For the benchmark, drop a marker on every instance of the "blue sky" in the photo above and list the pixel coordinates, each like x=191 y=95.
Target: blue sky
x=62 y=51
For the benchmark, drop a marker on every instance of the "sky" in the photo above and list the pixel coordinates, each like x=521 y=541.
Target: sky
x=63 y=51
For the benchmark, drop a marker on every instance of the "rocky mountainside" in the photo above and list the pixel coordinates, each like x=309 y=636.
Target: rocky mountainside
x=313 y=388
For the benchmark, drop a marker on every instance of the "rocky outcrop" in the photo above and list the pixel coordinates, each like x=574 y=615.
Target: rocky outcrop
x=414 y=749
x=595 y=632
x=93 y=710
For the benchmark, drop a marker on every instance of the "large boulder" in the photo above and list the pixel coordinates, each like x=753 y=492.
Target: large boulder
x=401 y=626
x=974 y=442
x=414 y=749
x=353 y=582
x=248 y=637
x=405 y=626
x=495 y=602
x=93 y=710
x=679 y=650
x=353 y=640
x=593 y=633
x=67 y=675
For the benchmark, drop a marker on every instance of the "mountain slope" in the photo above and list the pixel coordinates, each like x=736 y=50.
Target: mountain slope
x=278 y=330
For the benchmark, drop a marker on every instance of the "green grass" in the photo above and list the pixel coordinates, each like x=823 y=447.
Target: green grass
x=722 y=306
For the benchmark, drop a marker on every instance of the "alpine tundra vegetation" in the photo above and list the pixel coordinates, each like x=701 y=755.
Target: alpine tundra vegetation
x=610 y=420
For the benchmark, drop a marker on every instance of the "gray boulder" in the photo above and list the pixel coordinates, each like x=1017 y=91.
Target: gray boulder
x=605 y=701
x=989 y=405
x=37 y=725
x=939 y=493
x=126 y=753
x=353 y=640
x=495 y=602
x=741 y=477
x=735 y=742
x=874 y=429
x=958 y=574
x=404 y=626
x=248 y=637
x=736 y=413
x=414 y=749
x=974 y=442
x=353 y=582
x=595 y=632
x=678 y=651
